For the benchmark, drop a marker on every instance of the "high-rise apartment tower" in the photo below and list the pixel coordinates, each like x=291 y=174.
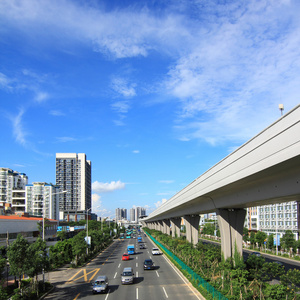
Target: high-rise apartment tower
x=73 y=175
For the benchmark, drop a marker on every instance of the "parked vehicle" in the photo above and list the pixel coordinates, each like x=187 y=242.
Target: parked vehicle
x=100 y=285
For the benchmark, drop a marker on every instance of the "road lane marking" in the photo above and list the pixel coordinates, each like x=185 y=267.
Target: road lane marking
x=95 y=271
x=76 y=296
x=136 y=264
x=185 y=280
x=137 y=274
x=157 y=274
x=115 y=275
x=119 y=265
x=137 y=293
x=165 y=292
x=107 y=295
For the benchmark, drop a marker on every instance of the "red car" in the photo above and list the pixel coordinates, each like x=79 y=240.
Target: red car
x=125 y=256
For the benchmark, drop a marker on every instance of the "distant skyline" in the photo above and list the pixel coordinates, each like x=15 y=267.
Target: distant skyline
x=153 y=92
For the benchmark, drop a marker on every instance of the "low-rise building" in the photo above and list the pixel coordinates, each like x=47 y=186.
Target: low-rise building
x=29 y=227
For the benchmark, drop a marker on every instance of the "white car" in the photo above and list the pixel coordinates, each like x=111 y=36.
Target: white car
x=155 y=251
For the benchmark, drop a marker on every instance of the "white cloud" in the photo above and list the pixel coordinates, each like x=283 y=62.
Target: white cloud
x=121 y=107
x=57 y=113
x=136 y=151
x=166 y=181
x=121 y=86
x=159 y=203
x=5 y=82
x=102 y=187
x=96 y=199
x=41 y=97
x=66 y=139
x=18 y=128
x=229 y=66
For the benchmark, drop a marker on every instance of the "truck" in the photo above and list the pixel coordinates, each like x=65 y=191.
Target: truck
x=130 y=249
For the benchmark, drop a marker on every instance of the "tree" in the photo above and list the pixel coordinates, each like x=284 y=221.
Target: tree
x=291 y=280
x=62 y=235
x=78 y=246
x=288 y=240
x=260 y=238
x=37 y=255
x=272 y=270
x=2 y=266
x=209 y=228
x=252 y=238
x=245 y=234
x=270 y=241
x=254 y=265
x=17 y=257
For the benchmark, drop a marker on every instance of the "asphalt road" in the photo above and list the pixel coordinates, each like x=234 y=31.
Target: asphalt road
x=164 y=282
x=287 y=263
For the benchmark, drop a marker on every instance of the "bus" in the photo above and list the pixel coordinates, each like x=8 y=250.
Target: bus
x=130 y=249
x=139 y=239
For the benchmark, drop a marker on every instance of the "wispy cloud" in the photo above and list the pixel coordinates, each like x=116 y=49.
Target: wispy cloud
x=121 y=107
x=18 y=128
x=66 y=139
x=123 y=87
x=136 y=151
x=5 y=82
x=57 y=113
x=105 y=187
x=166 y=181
x=228 y=66
x=41 y=97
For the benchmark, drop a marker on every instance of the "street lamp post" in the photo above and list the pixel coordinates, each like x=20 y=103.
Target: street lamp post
x=87 y=231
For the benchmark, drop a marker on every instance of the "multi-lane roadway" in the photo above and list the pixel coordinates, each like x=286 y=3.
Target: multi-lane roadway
x=163 y=282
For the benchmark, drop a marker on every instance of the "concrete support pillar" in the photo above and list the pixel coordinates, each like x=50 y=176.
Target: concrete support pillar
x=159 y=225
x=192 y=228
x=231 y=223
x=166 y=226
x=175 y=224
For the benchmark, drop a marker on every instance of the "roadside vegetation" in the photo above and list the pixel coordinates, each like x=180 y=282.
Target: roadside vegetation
x=33 y=259
x=288 y=246
x=234 y=278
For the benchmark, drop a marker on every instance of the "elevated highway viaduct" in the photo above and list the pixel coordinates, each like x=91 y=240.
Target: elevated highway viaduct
x=264 y=170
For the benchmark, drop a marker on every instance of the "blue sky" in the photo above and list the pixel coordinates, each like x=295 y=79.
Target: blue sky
x=154 y=92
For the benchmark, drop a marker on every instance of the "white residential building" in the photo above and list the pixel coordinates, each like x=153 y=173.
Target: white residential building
x=274 y=218
x=42 y=199
x=12 y=189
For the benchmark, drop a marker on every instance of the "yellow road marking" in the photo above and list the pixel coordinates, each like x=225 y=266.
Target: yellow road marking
x=95 y=271
x=76 y=296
